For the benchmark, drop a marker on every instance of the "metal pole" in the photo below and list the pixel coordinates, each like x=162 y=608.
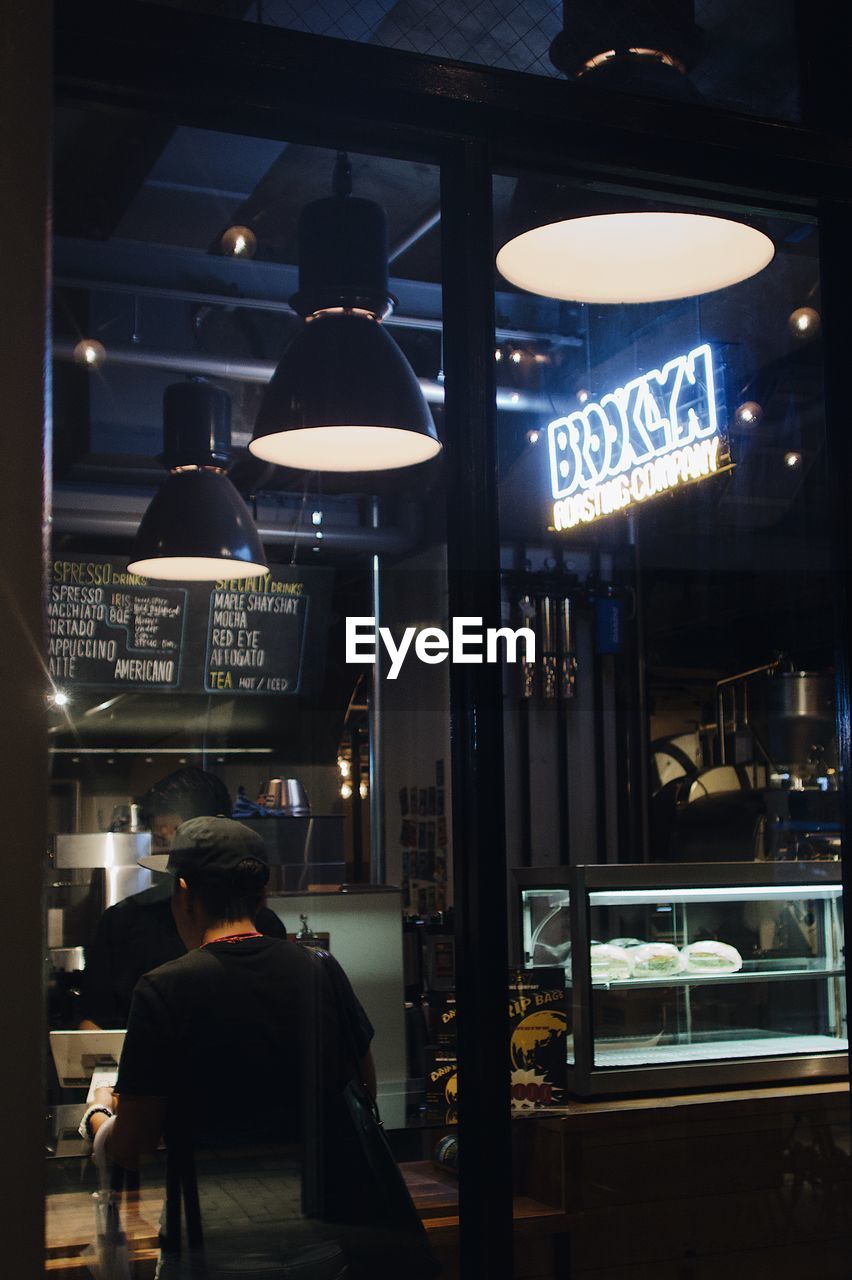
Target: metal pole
x=261 y=371
x=835 y=268
x=486 y=1234
x=415 y=235
x=377 y=786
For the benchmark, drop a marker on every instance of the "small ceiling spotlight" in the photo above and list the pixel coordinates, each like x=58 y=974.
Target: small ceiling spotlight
x=89 y=353
x=59 y=698
x=498 y=355
x=239 y=242
x=582 y=395
x=344 y=766
x=792 y=460
x=516 y=357
x=749 y=414
x=804 y=322
x=533 y=436
x=345 y=790
x=363 y=790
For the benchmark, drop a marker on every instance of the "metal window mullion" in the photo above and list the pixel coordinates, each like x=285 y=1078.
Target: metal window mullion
x=835 y=225
x=476 y=709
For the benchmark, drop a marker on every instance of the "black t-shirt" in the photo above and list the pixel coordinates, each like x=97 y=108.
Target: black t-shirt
x=132 y=938
x=227 y=1032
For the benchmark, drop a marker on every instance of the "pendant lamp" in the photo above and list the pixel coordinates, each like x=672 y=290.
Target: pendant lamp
x=634 y=256
x=343 y=397
x=597 y=251
x=197 y=527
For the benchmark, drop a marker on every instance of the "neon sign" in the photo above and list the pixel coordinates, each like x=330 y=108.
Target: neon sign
x=654 y=434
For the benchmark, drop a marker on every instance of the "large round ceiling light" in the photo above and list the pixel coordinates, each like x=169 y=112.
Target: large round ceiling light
x=634 y=257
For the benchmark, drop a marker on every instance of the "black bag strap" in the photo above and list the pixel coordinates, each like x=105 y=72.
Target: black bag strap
x=344 y=1021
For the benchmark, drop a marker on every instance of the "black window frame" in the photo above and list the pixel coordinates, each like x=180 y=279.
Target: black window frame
x=472 y=121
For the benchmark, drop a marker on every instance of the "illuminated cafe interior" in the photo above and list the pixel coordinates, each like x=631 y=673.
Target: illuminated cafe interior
x=669 y=770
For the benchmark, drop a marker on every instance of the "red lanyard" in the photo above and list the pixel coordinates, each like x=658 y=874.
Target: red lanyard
x=232 y=937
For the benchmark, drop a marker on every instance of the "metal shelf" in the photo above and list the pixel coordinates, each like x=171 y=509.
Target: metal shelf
x=625 y=1055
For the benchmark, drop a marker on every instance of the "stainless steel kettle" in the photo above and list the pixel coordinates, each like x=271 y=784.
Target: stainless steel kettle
x=288 y=796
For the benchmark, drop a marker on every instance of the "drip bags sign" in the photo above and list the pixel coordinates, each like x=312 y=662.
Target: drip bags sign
x=658 y=432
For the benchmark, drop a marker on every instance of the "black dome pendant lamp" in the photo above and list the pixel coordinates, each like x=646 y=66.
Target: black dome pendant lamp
x=595 y=250
x=344 y=398
x=197 y=527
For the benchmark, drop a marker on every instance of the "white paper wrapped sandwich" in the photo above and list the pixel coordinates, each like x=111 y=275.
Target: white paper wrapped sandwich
x=711 y=957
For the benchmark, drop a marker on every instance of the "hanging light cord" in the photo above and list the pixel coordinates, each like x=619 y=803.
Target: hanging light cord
x=342 y=180
x=299 y=519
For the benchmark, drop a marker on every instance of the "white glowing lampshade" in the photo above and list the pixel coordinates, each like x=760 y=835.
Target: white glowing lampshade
x=197 y=529
x=634 y=257
x=344 y=398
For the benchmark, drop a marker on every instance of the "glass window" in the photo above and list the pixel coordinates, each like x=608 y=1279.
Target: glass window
x=738 y=54
x=673 y=803
x=177 y=263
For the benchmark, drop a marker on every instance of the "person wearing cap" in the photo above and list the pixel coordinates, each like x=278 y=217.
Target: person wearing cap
x=216 y=1039
x=139 y=933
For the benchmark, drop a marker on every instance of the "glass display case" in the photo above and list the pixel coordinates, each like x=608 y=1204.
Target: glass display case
x=693 y=975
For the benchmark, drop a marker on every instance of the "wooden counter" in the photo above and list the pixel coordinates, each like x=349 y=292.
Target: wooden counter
x=70 y=1223
x=749 y=1184
x=741 y=1184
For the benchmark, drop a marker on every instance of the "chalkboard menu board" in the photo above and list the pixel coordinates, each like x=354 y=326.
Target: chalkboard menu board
x=108 y=628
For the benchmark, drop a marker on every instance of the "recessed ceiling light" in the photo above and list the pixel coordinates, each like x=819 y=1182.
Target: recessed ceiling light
x=749 y=414
x=804 y=322
x=90 y=353
x=239 y=242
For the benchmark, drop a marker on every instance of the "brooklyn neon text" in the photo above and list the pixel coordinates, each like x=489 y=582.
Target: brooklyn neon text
x=657 y=432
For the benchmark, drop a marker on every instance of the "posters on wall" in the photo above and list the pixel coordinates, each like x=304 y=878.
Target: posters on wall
x=423 y=845
x=538 y=1045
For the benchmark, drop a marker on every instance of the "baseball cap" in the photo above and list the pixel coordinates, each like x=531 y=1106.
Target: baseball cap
x=214 y=845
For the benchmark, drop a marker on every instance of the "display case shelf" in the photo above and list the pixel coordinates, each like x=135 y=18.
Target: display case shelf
x=717 y=979
x=762 y=1047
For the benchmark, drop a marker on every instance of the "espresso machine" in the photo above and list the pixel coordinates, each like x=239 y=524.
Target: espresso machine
x=85 y=874
x=764 y=785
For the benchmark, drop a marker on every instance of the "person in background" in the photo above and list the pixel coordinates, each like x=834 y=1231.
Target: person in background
x=139 y=933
